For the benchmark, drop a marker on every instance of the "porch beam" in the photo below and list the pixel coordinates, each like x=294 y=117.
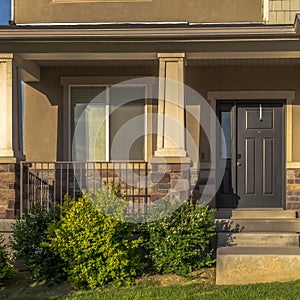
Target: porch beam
x=89 y=56
x=243 y=55
x=29 y=70
x=25 y=59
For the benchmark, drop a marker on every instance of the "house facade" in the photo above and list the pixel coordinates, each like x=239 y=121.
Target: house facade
x=207 y=86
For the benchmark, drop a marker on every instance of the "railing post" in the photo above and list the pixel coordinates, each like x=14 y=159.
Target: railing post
x=146 y=183
x=21 y=189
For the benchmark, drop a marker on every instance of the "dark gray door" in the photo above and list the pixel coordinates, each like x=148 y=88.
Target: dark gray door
x=259 y=155
x=254 y=162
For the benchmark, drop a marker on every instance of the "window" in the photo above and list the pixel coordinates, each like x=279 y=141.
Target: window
x=226 y=127
x=100 y=116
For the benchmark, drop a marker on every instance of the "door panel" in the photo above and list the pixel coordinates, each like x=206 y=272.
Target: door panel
x=259 y=169
x=268 y=163
x=250 y=166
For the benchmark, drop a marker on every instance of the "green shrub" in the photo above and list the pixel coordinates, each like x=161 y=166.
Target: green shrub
x=179 y=243
x=6 y=268
x=96 y=248
x=29 y=238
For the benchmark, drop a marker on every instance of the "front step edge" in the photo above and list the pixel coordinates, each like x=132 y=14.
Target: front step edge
x=247 y=265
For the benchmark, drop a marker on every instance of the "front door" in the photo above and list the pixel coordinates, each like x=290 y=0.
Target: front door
x=253 y=152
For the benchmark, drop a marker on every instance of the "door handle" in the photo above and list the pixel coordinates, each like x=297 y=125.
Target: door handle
x=238 y=164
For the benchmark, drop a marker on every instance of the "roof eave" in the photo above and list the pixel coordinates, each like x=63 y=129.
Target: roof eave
x=149 y=31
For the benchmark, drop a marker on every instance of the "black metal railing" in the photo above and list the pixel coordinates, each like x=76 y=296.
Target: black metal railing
x=47 y=183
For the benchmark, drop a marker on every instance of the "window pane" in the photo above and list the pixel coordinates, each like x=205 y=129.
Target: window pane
x=126 y=104
x=89 y=143
x=226 y=126
x=96 y=132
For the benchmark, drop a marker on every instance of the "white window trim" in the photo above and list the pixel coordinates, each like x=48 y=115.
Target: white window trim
x=107 y=82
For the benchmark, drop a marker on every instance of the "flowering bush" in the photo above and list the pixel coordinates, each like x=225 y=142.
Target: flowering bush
x=179 y=243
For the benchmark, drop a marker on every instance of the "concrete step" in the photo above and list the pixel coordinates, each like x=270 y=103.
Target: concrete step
x=263 y=214
x=257 y=239
x=244 y=265
x=223 y=213
x=258 y=225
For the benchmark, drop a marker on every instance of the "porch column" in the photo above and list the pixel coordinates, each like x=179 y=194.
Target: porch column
x=170 y=164
x=171 y=133
x=11 y=149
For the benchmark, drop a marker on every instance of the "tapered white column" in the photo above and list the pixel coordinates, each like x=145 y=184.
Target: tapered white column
x=171 y=132
x=11 y=145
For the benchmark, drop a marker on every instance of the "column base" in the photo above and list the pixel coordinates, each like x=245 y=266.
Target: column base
x=11 y=156
x=170 y=178
x=170 y=152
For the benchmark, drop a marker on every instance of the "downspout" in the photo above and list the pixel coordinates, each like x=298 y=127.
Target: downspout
x=12 y=13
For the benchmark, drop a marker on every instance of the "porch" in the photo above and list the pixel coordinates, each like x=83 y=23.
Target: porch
x=264 y=67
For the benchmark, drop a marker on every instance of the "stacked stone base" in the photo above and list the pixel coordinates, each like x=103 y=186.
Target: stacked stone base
x=170 y=178
x=293 y=189
x=9 y=190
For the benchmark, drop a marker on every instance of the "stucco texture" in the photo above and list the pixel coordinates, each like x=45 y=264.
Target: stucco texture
x=44 y=102
x=48 y=11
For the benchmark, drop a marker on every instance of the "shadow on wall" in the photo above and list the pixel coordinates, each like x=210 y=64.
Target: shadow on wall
x=44 y=106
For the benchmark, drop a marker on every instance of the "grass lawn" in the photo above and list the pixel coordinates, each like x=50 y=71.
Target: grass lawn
x=200 y=285
x=278 y=291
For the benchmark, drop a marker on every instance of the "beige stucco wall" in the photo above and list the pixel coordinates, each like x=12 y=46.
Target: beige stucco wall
x=44 y=112
x=208 y=79
x=40 y=126
x=45 y=11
